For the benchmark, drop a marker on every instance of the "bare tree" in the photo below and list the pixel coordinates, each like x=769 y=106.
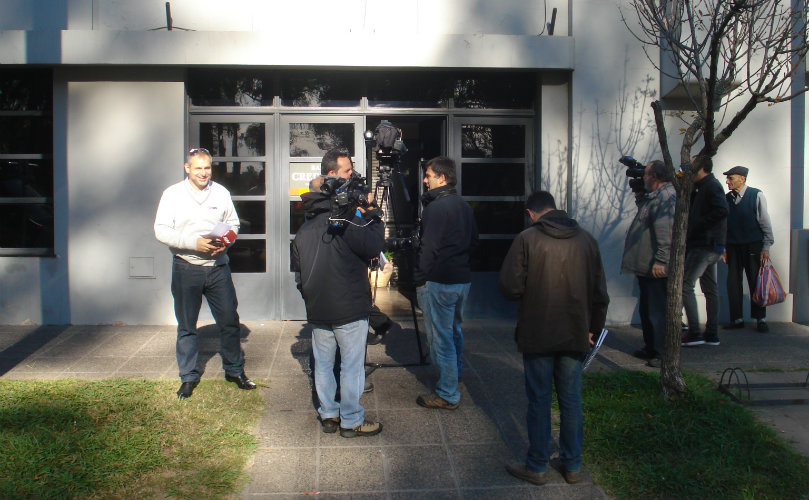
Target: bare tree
x=718 y=52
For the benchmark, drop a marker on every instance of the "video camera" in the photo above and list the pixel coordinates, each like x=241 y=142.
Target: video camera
x=635 y=171
x=386 y=142
x=345 y=196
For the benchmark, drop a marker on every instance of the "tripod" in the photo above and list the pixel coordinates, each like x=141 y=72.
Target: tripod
x=385 y=198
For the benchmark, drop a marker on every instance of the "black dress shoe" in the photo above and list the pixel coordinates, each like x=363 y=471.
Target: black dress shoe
x=186 y=388
x=242 y=381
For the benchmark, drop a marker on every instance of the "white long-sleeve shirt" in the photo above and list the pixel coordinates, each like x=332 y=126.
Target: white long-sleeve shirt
x=186 y=214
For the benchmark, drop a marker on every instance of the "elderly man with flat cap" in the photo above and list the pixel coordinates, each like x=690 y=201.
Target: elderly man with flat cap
x=748 y=245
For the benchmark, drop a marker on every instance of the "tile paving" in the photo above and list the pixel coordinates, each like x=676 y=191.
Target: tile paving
x=421 y=453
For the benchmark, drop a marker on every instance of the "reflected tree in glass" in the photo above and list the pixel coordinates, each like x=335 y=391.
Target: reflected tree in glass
x=314 y=139
x=218 y=88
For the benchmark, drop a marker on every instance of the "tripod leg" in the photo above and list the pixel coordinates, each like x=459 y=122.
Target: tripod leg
x=422 y=357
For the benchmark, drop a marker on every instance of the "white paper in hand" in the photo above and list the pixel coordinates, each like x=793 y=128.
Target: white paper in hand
x=219 y=230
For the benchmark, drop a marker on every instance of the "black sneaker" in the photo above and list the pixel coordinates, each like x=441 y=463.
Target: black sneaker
x=762 y=327
x=711 y=339
x=734 y=325
x=692 y=339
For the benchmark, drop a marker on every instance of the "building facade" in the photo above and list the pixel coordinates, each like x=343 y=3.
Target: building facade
x=100 y=99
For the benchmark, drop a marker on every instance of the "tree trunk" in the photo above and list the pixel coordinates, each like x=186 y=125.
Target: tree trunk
x=672 y=384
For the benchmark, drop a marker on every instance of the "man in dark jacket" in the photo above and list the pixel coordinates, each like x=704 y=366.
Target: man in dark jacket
x=704 y=246
x=331 y=264
x=554 y=269
x=646 y=255
x=443 y=275
x=750 y=237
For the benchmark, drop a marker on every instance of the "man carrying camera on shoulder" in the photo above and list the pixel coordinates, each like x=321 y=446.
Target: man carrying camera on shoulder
x=330 y=259
x=646 y=255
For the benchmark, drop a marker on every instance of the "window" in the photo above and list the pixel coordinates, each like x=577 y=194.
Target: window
x=26 y=162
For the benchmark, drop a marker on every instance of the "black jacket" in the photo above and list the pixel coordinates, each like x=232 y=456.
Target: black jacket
x=554 y=269
x=448 y=235
x=708 y=215
x=331 y=264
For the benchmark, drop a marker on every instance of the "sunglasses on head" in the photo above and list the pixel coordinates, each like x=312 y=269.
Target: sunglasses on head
x=197 y=151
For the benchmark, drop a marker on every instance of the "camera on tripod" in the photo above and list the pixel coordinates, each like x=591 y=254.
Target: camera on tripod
x=386 y=142
x=635 y=171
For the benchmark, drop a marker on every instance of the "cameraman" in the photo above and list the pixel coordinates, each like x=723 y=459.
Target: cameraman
x=448 y=236
x=377 y=320
x=646 y=255
x=331 y=268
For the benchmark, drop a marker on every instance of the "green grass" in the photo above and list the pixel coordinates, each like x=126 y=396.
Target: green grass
x=638 y=445
x=119 y=438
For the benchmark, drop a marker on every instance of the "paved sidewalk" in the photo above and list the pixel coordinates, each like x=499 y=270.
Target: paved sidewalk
x=421 y=453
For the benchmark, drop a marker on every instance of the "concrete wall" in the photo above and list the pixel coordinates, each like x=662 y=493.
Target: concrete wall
x=513 y=17
x=124 y=146
x=119 y=132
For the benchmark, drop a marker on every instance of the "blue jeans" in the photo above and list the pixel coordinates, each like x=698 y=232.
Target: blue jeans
x=541 y=372
x=442 y=305
x=700 y=263
x=350 y=337
x=189 y=283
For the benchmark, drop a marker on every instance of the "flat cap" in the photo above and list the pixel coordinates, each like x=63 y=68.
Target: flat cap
x=738 y=170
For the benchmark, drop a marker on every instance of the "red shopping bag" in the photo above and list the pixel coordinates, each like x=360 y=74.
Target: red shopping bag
x=768 y=287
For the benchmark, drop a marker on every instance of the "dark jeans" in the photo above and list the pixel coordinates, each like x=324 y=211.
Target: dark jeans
x=542 y=372
x=652 y=310
x=743 y=258
x=189 y=283
x=700 y=263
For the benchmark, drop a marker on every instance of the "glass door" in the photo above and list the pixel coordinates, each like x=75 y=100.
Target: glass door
x=495 y=171
x=303 y=140
x=242 y=161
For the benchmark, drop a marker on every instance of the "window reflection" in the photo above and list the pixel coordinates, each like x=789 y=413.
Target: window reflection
x=25 y=90
x=26 y=178
x=320 y=89
x=248 y=256
x=314 y=139
x=493 y=179
x=408 y=90
x=230 y=88
x=232 y=139
x=251 y=217
x=493 y=141
x=241 y=178
x=496 y=90
x=25 y=135
x=26 y=226
x=498 y=217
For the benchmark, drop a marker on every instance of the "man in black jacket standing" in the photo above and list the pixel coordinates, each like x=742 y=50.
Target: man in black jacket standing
x=554 y=269
x=704 y=245
x=443 y=276
x=330 y=259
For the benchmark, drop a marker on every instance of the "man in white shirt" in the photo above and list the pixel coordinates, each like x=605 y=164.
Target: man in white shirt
x=186 y=216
